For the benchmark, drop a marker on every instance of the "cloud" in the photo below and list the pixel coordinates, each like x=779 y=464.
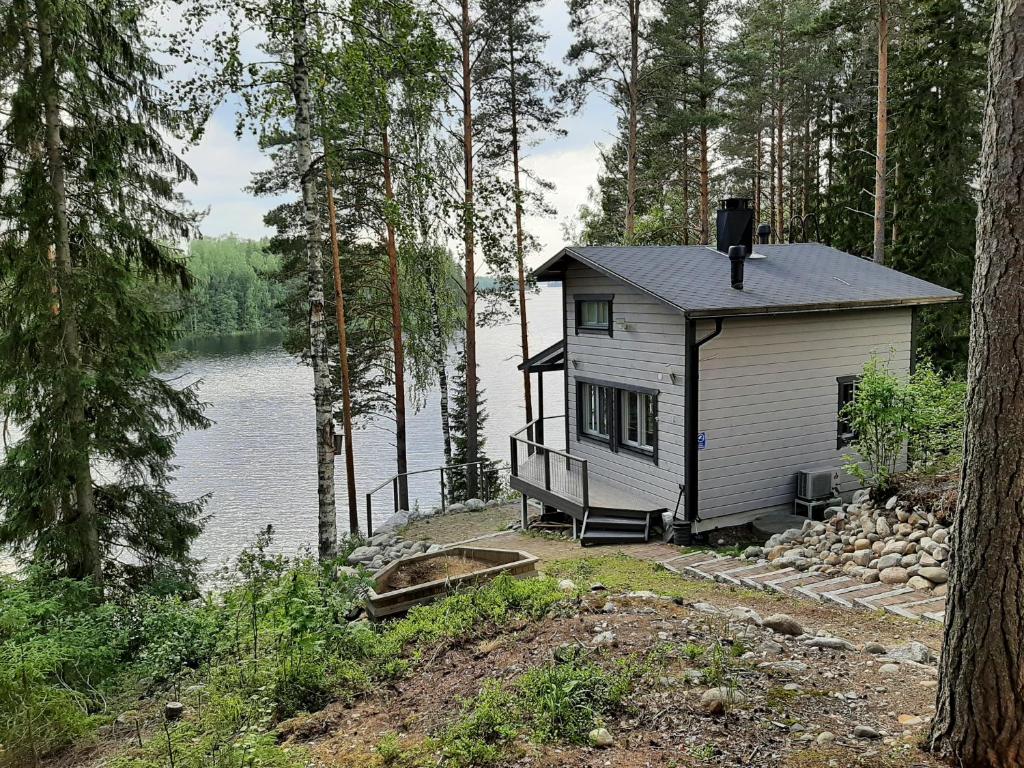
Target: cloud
x=572 y=170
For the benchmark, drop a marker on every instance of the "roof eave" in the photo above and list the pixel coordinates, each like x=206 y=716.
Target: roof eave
x=821 y=307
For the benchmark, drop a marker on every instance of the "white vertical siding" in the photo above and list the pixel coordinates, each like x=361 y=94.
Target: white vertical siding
x=769 y=399
x=643 y=354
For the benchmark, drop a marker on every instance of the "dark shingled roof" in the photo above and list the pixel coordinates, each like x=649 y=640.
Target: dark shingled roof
x=801 y=277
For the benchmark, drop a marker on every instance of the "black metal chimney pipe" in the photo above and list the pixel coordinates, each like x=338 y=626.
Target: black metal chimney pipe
x=764 y=233
x=737 y=255
x=735 y=224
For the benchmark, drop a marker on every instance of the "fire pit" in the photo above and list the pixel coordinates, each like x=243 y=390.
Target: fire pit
x=421 y=578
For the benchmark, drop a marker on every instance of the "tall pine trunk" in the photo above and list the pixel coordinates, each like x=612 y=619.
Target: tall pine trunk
x=980 y=709
x=398 y=345
x=468 y=237
x=79 y=518
x=520 y=247
x=881 y=127
x=633 y=97
x=705 y=174
x=686 y=188
x=327 y=521
x=346 y=386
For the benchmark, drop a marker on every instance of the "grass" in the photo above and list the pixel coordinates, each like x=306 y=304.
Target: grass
x=622 y=573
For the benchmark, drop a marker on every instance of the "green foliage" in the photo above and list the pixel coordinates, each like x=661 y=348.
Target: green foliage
x=622 y=573
x=234 y=289
x=87 y=210
x=488 y=476
x=923 y=414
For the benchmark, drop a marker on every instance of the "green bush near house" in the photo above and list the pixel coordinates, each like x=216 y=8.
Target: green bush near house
x=922 y=414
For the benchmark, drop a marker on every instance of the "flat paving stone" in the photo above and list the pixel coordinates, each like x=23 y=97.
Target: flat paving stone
x=910 y=596
x=814 y=590
x=847 y=597
x=917 y=609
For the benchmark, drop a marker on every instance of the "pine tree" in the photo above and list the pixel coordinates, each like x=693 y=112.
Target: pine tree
x=515 y=107
x=89 y=207
x=459 y=487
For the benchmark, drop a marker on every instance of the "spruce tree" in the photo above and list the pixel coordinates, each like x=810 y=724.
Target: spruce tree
x=89 y=208
x=459 y=487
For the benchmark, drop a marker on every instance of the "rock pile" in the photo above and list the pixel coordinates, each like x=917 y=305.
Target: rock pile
x=384 y=548
x=864 y=540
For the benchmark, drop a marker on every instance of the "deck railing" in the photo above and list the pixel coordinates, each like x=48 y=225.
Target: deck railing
x=553 y=470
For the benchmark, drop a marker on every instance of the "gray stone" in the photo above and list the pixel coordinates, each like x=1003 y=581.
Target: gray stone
x=474 y=504
x=918 y=582
x=888 y=670
x=600 y=737
x=609 y=607
x=863 y=557
x=896 y=546
x=606 y=638
x=825 y=738
x=940 y=536
x=935 y=574
x=891 y=503
x=874 y=648
x=941 y=554
x=860 y=496
x=567 y=585
x=888 y=561
x=912 y=651
x=783 y=624
x=453 y=508
x=895 y=575
x=743 y=615
x=882 y=527
x=830 y=643
x=753 y=553
x=715 y=701
x=866 y=731
x=364 y=554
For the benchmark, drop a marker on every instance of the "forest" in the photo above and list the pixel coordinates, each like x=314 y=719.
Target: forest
x=395 y=133
x=234 y=288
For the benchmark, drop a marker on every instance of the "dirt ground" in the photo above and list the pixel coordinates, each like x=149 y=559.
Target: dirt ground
x=786 y=708
x=664 y=723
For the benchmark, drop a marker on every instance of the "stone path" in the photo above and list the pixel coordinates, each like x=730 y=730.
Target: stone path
x=843 y=591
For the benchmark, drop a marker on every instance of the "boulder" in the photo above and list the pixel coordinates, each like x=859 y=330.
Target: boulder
x=715 y=701
x=912 y=651
x=888 y=561
x=474 y=504
x=873 y=648
x=935 y=574
x=830 y=643
x=743 y=615
x=866 y=731
x=882 y=527
x=894 y=575
x=783 y=624
x=753 y=553
x=917 y=582
x=364 y=554
x=600 y=737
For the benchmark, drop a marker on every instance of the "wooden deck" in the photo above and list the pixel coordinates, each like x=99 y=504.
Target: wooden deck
x=602 y=492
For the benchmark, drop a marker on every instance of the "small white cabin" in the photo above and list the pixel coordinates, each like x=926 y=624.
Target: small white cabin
x=700 y=381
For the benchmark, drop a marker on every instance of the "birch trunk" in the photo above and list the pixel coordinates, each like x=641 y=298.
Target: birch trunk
x=468 y=237
x=881 y=127
x=398 y=344
x=327 y=521
x=79 y=518
x=980 y=707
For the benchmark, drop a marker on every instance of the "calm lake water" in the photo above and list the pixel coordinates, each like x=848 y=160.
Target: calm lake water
x=258 y=460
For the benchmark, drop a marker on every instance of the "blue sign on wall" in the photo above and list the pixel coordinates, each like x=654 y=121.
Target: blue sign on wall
x=702 y=441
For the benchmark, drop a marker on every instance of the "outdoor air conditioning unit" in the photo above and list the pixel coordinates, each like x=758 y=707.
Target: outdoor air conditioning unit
x=814 y=484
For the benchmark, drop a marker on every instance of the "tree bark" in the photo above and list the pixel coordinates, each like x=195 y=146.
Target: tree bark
x=442 y=368
x=686 y=188
x=78 y=518
x=327 y=520
x=346 y=387
x=633 y=97
x=705 y=174
x=881 y=127
x=468 y=237
x=520 y=254
x=397 y=341
x=980 y=707
x=780 y=140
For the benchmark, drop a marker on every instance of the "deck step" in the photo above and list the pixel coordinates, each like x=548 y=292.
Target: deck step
x=604 y=536
x=616 y=522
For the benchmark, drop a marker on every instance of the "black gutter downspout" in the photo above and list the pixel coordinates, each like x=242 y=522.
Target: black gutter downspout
x=691 y=392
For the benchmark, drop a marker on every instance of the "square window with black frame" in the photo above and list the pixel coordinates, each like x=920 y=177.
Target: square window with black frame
x=638 y=416
x=594 y=418
x=594 y=314
x=847 y=392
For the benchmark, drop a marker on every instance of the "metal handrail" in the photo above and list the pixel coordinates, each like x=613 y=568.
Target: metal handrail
x=534 y=444
x=393 y=481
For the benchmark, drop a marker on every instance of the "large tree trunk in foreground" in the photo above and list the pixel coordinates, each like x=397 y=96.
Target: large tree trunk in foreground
x=468 y=239
x=327 y=522
x=980 y=709
x=79 y=518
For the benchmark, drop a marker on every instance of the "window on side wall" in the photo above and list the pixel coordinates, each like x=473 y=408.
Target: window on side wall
x=593 y=314
x=638 y=421
x=847 y=392
x=595 y=411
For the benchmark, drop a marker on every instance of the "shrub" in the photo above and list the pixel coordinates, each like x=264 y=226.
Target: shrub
x=921 y=418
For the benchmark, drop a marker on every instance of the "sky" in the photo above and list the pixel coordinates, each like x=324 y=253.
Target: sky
x=225 y=164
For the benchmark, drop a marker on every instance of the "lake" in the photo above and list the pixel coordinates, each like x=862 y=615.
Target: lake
x=258 y=460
